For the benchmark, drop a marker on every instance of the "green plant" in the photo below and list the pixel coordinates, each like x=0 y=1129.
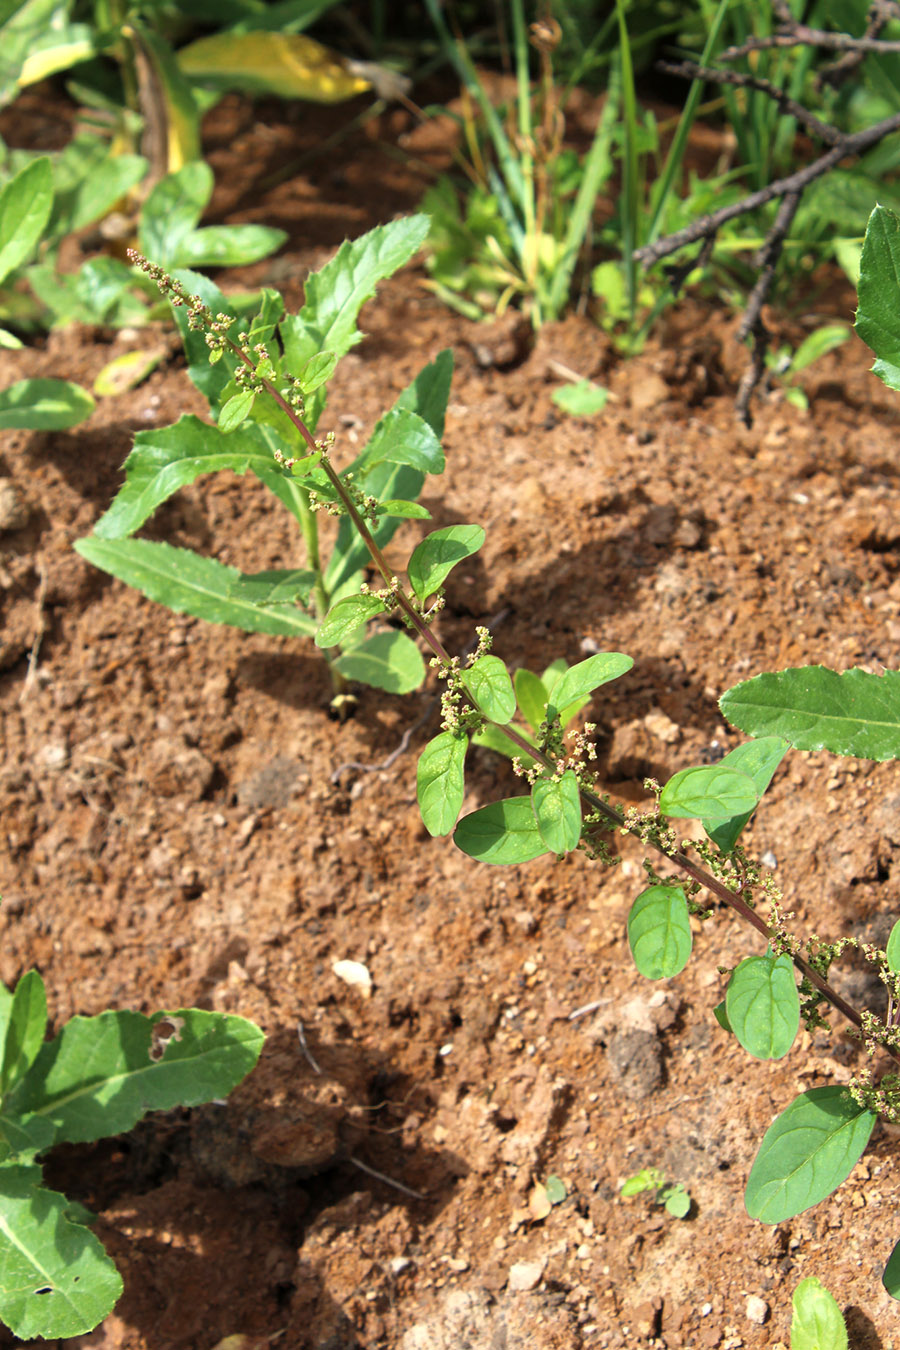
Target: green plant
x=519 y=231
x=96 y=1078
x=321 y=599
x=786 y=365
x=813 y=1145
x=817 y=1322
x=670 y=1194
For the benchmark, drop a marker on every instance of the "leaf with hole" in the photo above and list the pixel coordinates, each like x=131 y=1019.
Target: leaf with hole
x=807 y=1153
x=659 y=932
x=763 y=1005
x=440 y=782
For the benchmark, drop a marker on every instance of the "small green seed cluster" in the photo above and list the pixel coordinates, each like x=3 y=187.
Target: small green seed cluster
x=882 y=1097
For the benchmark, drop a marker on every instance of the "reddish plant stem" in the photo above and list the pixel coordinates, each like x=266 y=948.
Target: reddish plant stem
x=613 y=816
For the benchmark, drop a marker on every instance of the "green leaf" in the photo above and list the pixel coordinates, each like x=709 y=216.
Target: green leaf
x=758 y=760
x=557 y=809
x=190 y=584
x=720 y=1013
x=236 y=410
x=709 y=792
x=429 y=393
x=581 y=680
x=401 y=437
x=556 y=1190
x=277 y=587
x=95 y=194
x=763 y=1005
x=893 y=948
x=440 y=781
x=813 y=708
x=346 y=616
x=891 y=1277
x=102 y=1074
x=817 y=1323
x=648 y=1179
x=228 y=245
x=878 y=315
x=807 y=1153
x=583 y=399
x=677 y=1201
x=21 y=1140
x=818 y=344
x=317 y=371
x=288 y=65
x=405 y=510
x=659 y=932
x=531 y=696
x=25 y=1027
x=503 y=833
x=433 y=560
x=336 y=293
x=25 y=204
x=171 y=212
x=164 y=460
x=389 y=661
x=487 y=681
x=44 y=405
x=56 y=1280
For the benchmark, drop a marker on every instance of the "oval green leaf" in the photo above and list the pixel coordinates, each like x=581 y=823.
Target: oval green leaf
x=389 y=661
x=763 y=1005
x=346 y=616
x=439 y=552
x=440 y=782
x=581 y=680
x=659 y=932
x=488 y=682
x=807 y=1153
x=503 y=833
x=813 y=708
x=758 y=760
x=557 y=810
x=236 y=409
x=44 y=405
x=709 y=792
x=817 y=1323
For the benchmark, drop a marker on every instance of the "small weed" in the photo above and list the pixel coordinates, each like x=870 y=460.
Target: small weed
x=671 y=1195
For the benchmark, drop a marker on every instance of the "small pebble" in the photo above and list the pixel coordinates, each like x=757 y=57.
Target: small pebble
x=14 y=511
x=757 y=1310
x=525 y=1275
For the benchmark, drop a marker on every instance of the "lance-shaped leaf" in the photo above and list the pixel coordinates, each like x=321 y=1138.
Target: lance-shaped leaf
x=346 y=616
x=190 y=584
x=434 y=559
x=878 y=319
x=503 y=833
x=817 y=1322
x=25 y=1026
x=487 y=681
x=557 y=809
x=336 y=293
x=25 y=204
x=405 y=510
x=44 y=405
x=659 y=932
x=102 y=1074
x=389 y=661
x=440 y=781
x=813 y=708
x=759 y=760
x=56 y=1280
x=807 y=1153
x=763 y=1005
x=582 y=679
x=289 y=65
x=164 y=460
x=709 y=792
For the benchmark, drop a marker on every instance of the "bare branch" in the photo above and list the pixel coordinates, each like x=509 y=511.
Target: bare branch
x=752 y=323
x=742 y=80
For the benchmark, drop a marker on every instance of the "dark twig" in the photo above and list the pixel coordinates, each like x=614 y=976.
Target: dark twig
x=848 y=145
x=801 y=36
x=752 y=323
x=743 y=80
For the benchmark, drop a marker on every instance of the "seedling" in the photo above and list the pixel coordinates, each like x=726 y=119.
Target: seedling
x=670 y=1194
x=817 y=1323
x=96 y=1078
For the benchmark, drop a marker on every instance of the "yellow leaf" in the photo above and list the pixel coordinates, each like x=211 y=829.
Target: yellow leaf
x=539 y=1202
x=287 y=64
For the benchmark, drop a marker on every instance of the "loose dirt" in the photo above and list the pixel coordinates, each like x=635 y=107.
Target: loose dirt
x=183 y=824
